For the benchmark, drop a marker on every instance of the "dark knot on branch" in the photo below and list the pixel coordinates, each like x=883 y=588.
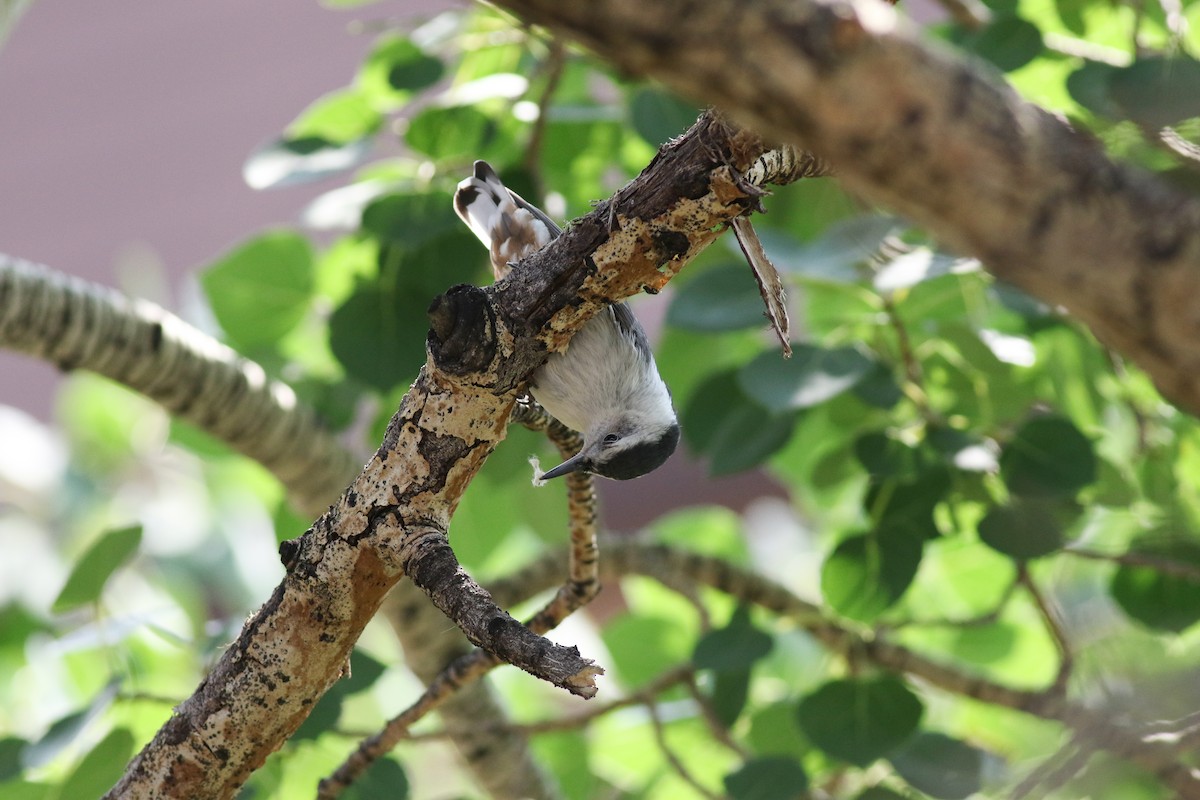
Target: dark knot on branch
x=462 y=330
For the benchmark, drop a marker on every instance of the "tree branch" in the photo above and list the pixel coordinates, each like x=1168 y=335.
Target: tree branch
x=482 y=345
x=920 y=130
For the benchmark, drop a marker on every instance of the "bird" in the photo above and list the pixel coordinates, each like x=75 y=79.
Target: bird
x=605 y=384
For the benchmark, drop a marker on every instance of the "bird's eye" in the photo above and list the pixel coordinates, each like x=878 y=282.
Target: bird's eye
x=612 y=438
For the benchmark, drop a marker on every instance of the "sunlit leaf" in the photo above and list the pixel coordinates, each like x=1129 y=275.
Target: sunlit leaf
x=868 y=573
x=262 y=289
x=100 y=768
x=340 y=117
x=810 y=377
x=461 y=132
x=95 y=566
x=395 y=70
x=860 y=720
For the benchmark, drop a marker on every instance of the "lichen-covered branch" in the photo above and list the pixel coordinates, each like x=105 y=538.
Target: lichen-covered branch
x=938 y=138
x=581 y=586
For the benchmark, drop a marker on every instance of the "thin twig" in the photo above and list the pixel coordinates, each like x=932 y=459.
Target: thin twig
x=660 y=737
x=1054 y=625
x=1164 y=566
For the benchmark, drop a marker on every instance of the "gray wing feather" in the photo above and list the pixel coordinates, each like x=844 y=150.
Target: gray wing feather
x=629 y=327
x=537 y=212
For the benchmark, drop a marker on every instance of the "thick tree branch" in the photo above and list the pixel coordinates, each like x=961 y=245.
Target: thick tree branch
x=939 y=139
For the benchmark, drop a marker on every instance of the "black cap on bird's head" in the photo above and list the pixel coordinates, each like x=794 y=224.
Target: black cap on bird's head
x=621 y=457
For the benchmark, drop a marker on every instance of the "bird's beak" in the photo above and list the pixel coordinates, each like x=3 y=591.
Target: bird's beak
x=575 y=463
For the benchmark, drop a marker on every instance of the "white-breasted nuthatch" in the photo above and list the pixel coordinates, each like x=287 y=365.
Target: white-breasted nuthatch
x=605 y=384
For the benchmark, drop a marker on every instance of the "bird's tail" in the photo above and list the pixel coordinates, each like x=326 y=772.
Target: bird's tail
x=509 y=227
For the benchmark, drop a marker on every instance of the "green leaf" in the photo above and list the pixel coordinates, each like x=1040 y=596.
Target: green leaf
x=262 y=289
x=837 y=254
x=730 y=690
x=940 y=766
x=92 y=570
x=868 y=573
x=1088 y=86
x=10 y=757
x=907 y=506
x=395 y=70
x=100 y=768
x=457 y=132
x=385 y=779
x=1048 y=456
x=732 y=430
x=736 y=646
x=724 y=298
x=66 y=730
x=879 y=793
x=769 y=778
x=918 y=266
x=378 y=333
x=1009 y=42
x=292 y=162
x=659 y=116
x=339 y=117
x=1156 y=599
x=773 y=730
x=747 y=438
x=643 y=647
x=1157 y=92
x=411 y=220
x=1028 y=528
x=860 y=720
x=810 y=377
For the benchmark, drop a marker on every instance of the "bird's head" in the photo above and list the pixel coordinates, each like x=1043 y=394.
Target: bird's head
x=625 y=447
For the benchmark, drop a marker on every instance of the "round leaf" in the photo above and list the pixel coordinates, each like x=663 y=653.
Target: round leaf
x=769 y=778
x=1157 y=600
x=736 y=646
x=810 y=377
x=262 y=289
x=461 y=132
x=939 y=766
x=1158 y=92
x=1010 y=43
x=866 y=574
x=1029 y=528
x=383 y=780
x=97 y=564
x=659 y=116
x=722 y=299
x=860 y=720
x=101 y=767
x=338 y=118
x=1048 y=456
x=395 y=70
x=379 y=336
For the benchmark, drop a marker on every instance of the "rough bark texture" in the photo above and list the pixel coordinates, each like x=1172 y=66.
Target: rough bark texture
x=455 y=413
x=939 y=139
